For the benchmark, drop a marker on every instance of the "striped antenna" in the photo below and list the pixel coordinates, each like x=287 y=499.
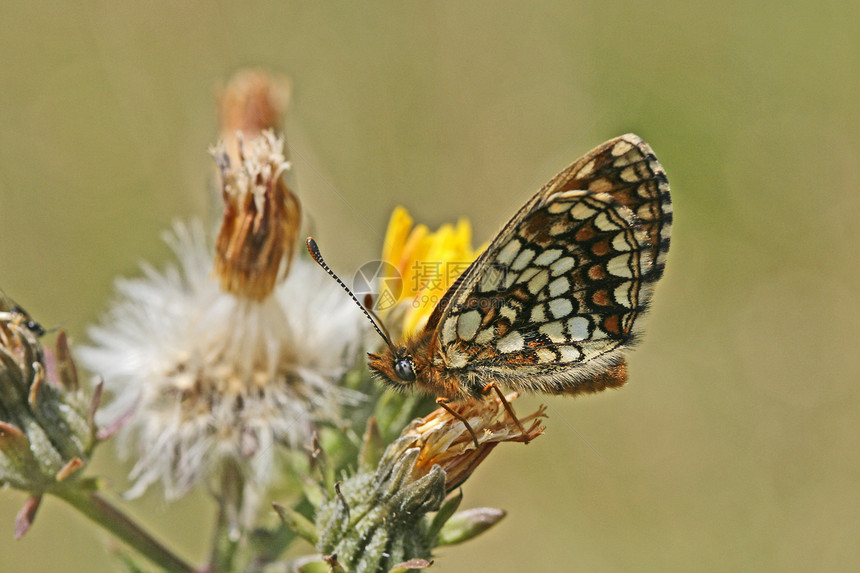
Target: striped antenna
x=374 y=320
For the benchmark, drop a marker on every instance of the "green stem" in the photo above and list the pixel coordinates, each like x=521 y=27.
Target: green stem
x=226 y=538
x=118 y=524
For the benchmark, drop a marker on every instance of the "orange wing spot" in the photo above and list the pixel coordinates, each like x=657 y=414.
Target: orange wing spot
x=612 y=324
x=623 y=196
x=585 y=233
x=524 y=358
x=503 y=326
x=601 y=298
x=537 y=228
x=521 y=294
x=597 y=272
x=491 y=315
x=601 y=248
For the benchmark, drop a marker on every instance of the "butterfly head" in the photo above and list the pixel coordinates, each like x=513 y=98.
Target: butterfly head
x=395 y=367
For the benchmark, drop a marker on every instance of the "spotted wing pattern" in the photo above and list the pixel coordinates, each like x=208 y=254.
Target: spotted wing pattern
x=555 y=297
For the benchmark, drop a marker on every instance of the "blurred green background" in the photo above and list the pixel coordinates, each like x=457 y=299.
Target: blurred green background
x=735 y=445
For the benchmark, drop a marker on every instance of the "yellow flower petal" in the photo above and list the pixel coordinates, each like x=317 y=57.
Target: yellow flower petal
x=428 y=262
x=395 y=237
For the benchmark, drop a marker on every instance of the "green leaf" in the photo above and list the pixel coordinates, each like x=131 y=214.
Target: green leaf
x=443 y=515
x=371 y=447
x=467 y=524
x=297 y=522
x=411 y=565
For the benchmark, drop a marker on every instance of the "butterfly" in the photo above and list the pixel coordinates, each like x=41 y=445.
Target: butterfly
x=553 y=302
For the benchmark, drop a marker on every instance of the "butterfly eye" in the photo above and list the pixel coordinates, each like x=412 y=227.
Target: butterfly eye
x=404 y=370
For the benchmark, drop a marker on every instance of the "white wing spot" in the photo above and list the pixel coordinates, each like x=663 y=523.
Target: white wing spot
x=625 y=160
x=560 y=307
x=467 y=324
x=623 y=294
x=561 y=266
x=509 y=312
x=511 y=342
x=448 y=331
x=559 y=286
x=579 y=328
x=457 y=359
x=490 y=281
x=547 y=257
x=538 y=282
x=508 y=252
x=554 y=330
x=485 y=336
x=581 y=211
x=546 y=355
x=603 y=223
x=621 y=148
x=527 y=274
x=558 y=207
x=629 y=174
x=586 y=169
x=620 y=266
x=538 y=314
x=620 y=242
x=523 y=259
x=570 y=354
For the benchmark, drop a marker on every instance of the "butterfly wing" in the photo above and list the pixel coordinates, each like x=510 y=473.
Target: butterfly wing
x=554 y=298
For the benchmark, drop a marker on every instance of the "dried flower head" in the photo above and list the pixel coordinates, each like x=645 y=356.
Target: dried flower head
x=210 y=376
x=212 y=370
x=444 y=440
x=261 y=219
x=251 y=102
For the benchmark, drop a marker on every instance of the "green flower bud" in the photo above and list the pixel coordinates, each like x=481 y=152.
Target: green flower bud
x=377 y=520
x=465 y=525
x=46 y=423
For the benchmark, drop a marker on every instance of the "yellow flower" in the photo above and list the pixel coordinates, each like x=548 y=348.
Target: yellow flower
x=427 y=262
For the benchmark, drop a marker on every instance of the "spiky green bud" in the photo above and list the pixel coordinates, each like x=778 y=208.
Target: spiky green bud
x=376 y=520
x=46 y=423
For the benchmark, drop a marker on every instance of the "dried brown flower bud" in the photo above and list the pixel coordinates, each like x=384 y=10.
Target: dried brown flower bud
x=252 y=102
x=445 y=441
x=255 y=244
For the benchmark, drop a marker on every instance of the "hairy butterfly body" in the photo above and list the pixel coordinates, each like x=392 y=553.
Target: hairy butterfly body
x=553 y=302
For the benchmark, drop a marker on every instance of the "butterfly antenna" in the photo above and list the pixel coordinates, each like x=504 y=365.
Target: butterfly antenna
x=377 y=324
x=368 y=306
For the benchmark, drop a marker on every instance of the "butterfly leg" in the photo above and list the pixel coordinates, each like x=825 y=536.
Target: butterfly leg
x=508 y=408
x=443 y=403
